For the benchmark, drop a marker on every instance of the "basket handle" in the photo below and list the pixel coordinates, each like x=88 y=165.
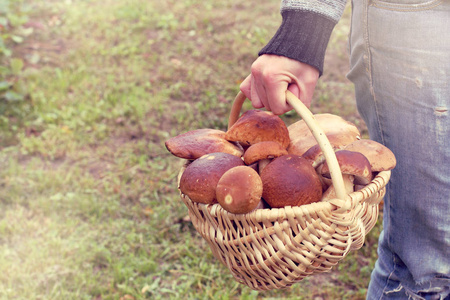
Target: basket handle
x=319 y=135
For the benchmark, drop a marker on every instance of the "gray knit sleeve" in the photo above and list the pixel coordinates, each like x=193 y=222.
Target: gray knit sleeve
x=331 y=9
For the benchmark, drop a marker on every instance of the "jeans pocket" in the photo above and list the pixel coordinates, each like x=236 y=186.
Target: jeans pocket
x=406 y=5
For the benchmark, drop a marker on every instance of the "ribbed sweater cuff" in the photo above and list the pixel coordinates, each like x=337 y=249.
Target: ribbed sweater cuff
x=303 y=36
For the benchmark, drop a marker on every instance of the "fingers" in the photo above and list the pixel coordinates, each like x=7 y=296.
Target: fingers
x=276 y=96
x=272 y=75
x=246 y=88
x=266 y=91
x=268 y=87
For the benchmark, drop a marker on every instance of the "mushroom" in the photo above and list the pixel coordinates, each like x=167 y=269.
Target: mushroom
x=196 y=143
x=263 y=153
x=239 y=190
x=380 y=157
x=355 y=169
x=199 y=179
x=338 y=131
x=316 y=156
x=290 y=180
x=256 y=126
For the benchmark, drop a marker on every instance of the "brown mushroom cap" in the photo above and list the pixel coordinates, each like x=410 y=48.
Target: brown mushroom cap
x=351 y=163
x=380 y=157
x=239 y=190
x=338 y=131
x=199 y=179
x=290 y=180
x=196 y=143
x=263 y=150
x=256 y=126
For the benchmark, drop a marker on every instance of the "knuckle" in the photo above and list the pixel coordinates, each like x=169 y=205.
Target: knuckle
x=270 y=77
x=257 y=69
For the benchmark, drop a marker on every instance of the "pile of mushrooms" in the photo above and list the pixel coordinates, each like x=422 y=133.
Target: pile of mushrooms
x=260 y=163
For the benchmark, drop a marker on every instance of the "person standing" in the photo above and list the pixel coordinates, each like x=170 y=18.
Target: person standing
x=400 y=67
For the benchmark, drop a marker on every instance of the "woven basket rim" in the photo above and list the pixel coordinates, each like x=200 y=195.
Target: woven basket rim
x=273 y=214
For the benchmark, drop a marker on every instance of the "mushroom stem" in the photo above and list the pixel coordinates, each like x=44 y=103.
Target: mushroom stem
x=330 y=193
x=262 y=164
x=348 y=183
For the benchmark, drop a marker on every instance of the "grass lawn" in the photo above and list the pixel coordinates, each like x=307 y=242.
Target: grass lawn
x=88 y=201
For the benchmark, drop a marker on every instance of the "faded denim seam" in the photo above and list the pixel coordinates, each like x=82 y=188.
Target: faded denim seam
x=368 y=62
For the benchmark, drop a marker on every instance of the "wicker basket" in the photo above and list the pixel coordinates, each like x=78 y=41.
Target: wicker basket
x=275 y=248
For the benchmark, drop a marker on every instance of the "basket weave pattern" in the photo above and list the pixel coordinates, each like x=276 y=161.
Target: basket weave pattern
x=275 y=248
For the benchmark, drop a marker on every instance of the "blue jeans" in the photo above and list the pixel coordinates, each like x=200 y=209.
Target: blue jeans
x=400 y=65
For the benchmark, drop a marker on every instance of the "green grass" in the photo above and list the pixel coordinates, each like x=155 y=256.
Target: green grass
x=88 y=200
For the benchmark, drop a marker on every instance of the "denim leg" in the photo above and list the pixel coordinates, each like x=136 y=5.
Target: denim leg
x=400 y=65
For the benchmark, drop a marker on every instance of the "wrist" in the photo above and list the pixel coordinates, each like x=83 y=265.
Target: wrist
x=302 y=36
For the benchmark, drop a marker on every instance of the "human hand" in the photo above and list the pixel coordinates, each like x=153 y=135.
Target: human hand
x=272 y=75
